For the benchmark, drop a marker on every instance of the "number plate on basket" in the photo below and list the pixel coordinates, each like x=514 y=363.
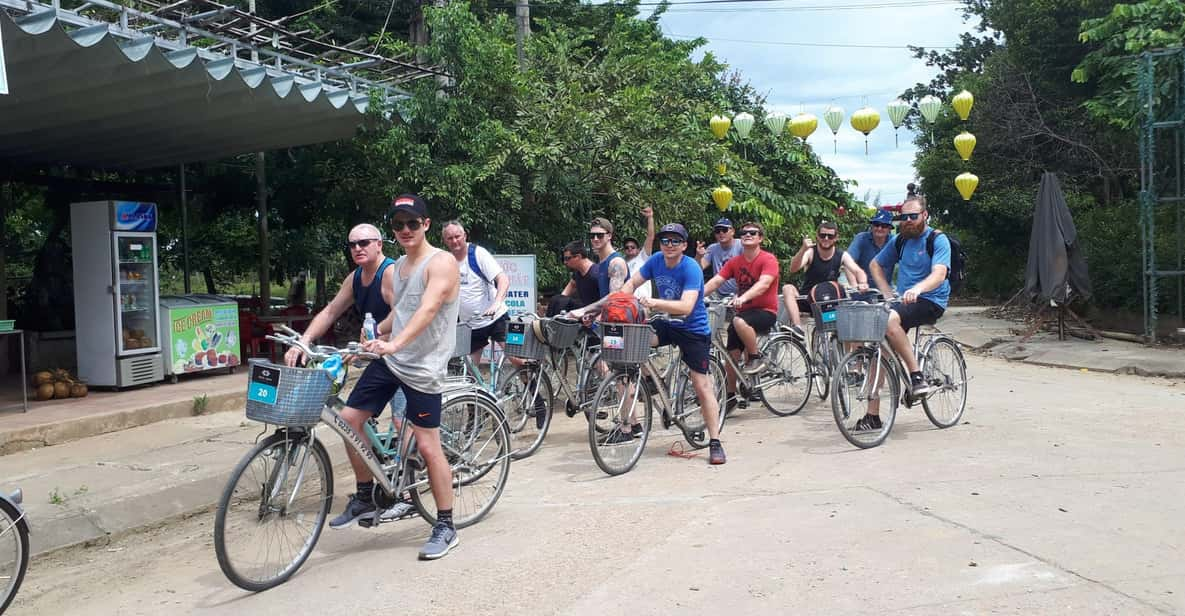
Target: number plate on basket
x=829 y=316
x=613 y=338
x=516 y=334
x=264 y=383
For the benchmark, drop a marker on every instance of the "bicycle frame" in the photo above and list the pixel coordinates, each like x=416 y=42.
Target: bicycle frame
x=899 y=372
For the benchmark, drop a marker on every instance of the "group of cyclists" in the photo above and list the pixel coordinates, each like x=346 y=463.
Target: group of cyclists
x=418 y=300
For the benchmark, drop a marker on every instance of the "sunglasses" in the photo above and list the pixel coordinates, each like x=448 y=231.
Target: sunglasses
x=411 y=225
x=670 y=241
x=827 y=236
x=881 y=225
x=748 y=232
x=566 y=258
x=596 y=235
x=721 y=229
x=912 y=216
x=361 y=243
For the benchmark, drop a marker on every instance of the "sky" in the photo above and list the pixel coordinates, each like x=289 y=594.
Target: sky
x=810 y=77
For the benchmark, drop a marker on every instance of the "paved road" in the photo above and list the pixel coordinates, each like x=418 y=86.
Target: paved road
x=1062 y=492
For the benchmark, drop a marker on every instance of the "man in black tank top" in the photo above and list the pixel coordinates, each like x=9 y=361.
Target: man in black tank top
x=822 y=263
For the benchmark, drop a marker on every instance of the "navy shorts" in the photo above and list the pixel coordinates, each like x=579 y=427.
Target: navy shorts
x=495 y=331
x=760 y=320
x=378 y=385
x=695 y=348
x=921 y=312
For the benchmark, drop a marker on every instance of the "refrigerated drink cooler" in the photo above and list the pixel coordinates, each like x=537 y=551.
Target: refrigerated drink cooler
x=116 y=293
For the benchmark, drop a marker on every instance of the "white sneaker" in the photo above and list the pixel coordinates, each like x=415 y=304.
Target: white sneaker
x=399 y=510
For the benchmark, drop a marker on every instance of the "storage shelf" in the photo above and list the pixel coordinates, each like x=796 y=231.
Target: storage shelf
x=137 y=309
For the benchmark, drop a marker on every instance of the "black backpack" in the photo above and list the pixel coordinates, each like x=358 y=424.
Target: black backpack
x=957 y=274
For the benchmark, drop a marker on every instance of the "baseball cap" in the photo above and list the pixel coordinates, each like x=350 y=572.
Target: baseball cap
x=723 y=222
x=413 y=204
x=674 y=228
x=882 y=217
x=602 y=223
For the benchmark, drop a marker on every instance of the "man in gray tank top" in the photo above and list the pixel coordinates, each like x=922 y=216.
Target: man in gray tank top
x=415 y=341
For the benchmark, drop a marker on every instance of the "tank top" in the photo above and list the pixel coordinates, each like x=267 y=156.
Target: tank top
x=586 y=286
x=603 y=273
x=820 y=270
x=369 y=298
x=422 y=364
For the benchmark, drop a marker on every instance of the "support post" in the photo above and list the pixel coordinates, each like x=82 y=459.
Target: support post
x=522 y=31
x=184 y=229
x=265 y=286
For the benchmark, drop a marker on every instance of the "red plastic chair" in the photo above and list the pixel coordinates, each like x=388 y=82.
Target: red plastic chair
x=253 y=335
x=297 y=311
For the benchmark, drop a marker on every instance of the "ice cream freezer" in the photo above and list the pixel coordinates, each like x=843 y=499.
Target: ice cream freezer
x=199 y=333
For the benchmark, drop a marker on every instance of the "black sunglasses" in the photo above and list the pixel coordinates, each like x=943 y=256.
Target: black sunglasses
x=596 y=235
x=748 y=232
x=911 y=216
x=670 y=241
x=566 y=258
x=827 y=236
x=412 y=225
x=351 y=245
x=882 y=225
x=721 y=229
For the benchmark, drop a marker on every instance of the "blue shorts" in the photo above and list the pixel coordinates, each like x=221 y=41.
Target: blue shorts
x=695 y=348
x=378 y=385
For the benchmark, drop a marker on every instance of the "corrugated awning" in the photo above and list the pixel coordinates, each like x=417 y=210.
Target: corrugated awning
x=85 y=97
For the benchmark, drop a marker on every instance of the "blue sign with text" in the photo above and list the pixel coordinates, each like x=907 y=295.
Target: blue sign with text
x=133 y=216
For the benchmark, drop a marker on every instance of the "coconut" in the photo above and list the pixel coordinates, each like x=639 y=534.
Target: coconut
x=61 y=390
x=77 y=390
x=43 y=377
x=45 y=391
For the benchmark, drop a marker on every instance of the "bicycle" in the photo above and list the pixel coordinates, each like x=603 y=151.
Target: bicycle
x=279 y=494
x=14 y=547
x=612 y=417
x=873 y=372
x=786 y=364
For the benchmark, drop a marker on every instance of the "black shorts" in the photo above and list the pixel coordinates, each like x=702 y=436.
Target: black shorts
x=495 y=331
x=378 y=385
x=804 y=307
x=760 y=320
x=695 y=348
x=921 y=312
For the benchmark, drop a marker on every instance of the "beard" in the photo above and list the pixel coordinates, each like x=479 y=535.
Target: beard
x=912 y=231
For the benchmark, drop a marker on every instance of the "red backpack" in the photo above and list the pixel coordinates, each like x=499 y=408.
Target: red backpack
x=622 y=307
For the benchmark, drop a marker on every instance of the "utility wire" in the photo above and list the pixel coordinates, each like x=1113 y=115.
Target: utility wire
x=804 y=44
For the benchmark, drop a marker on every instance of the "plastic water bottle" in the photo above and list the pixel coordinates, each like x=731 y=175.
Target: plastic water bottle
x=368 y=326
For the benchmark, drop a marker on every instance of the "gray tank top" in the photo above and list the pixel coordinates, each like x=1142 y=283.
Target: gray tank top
x=423 y=363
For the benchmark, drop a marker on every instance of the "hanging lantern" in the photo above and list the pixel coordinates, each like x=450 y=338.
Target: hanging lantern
x=966 y=183
x=965 y=144
x=721 y=168
x=962 y=103
x=834 y=119
x=722 y=196
x=866 y=120
x=743 y=122
x=720 y=126
x=775 y=122
x=930 y=106
x=803 y=124
x=841 y=211
x=898 y=109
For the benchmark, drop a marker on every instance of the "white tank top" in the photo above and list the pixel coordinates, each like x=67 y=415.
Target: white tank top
x=423 y=363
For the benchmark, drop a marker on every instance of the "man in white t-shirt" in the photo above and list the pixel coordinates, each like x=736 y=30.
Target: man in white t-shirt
x=483 y=289
x=636 y=254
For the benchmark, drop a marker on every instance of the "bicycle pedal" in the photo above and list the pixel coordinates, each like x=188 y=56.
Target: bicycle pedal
x=569 y=409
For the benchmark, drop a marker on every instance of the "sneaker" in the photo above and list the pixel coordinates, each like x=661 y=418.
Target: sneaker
x=636 y=430
x=617 y=437
x=853 y=379
x=356 y=509
x=868 y=423
x=443 y=539
x=755 y=364
x=399 y=510
x=796 y=331
x=716 y=453
x=918 y=386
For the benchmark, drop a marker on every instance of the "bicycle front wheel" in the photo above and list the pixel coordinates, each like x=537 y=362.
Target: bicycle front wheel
x=619 y=404
x=476 y=444
x=785 y=385
x=526 y=396
x=864 y=388
x=14 y=552
x=688 y=410
x=946 y=372
x=826 y=356
x=272 y=510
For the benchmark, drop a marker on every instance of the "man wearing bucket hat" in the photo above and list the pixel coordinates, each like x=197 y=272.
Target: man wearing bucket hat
x=867 y=244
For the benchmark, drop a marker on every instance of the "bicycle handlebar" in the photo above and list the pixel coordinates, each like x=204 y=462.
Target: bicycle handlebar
x=319 y=352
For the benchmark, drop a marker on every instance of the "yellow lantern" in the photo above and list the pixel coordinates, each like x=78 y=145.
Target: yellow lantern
x=721 y=168
x=965 y=144
x=803 y=124
x=722 y=196
x=966 y=183
x=962 y=103
x=720 y=126
x=866 y=120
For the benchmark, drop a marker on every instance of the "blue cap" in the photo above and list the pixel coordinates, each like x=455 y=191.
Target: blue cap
x=882 y=217
x=723 y=222
x=674 y=228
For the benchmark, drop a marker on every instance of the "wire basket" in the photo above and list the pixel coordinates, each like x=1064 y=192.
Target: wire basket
x=719 y=317
x=783 y=312
x=521 y=341
x=561 y=334
x=825 y=315
x=860 y=322
x=464 y=338
x=286 y=396
x=625 y=343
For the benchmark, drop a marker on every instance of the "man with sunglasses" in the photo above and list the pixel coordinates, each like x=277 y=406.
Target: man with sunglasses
x=922 y=290
x=719 y=252
x=612 y=269
x=755 y=272
x=867 y=244
x=483 y=289
x=822 y=263
x=581 y=289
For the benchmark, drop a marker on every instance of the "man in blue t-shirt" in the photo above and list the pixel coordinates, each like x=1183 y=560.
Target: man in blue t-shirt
x=921 y=286
x=868 y=244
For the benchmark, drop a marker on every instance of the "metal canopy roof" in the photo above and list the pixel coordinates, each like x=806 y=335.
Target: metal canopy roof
x=105 y=96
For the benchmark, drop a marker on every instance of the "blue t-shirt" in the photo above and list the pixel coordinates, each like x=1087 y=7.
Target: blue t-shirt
x=718 y=256
x=863 y=250
x=916 y=264
x=671 y=283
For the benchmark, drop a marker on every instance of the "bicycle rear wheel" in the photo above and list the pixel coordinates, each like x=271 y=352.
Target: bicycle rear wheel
x=785 y=385
x=619 y=403
x=859 y=387
x=526 y=397
x=14 y=552
x=946 y=371
x=826 y=356
x=688 y=410
x=272 y=510
x=476 y=443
